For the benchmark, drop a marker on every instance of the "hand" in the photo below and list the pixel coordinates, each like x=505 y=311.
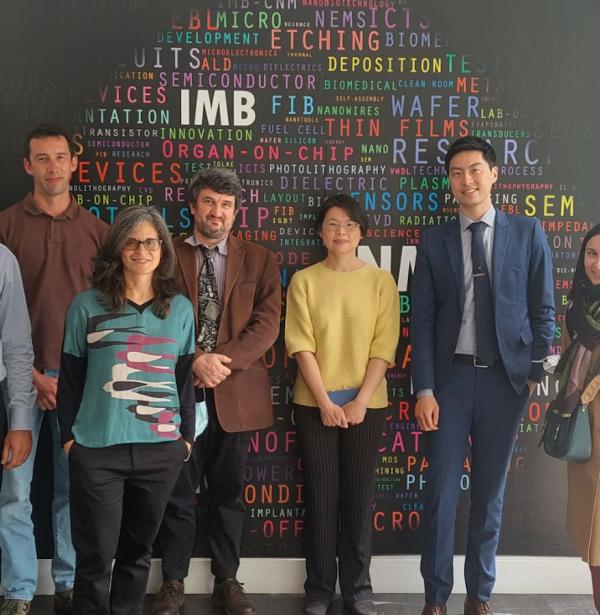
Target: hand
x=189 y=446
x=16 y=449
x=333 y=415
x=427 y=413
x=355 y=412
x=46 y=387
x=531 y=384
x=67 y=446
x=210 y=369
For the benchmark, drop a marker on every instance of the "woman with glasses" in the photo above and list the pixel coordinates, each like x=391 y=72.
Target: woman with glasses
x=125 y=408
x=579 y=364
x=342 y=327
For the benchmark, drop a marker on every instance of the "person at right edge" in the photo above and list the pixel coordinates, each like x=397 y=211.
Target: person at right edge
x=482 y=321
x=579 y=364
x=235 y=289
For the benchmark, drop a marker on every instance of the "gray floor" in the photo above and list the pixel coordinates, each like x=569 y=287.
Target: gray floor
x=387 y=604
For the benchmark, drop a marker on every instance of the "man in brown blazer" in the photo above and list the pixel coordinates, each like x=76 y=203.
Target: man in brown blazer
x=235 y=288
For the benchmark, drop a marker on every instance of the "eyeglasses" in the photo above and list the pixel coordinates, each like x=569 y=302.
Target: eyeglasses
x=334 y=226
x=151 y=244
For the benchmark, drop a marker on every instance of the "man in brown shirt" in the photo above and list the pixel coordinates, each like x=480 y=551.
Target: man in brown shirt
x=54 y=240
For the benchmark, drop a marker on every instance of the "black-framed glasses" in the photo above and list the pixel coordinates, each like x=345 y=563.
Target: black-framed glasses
x=151 y=244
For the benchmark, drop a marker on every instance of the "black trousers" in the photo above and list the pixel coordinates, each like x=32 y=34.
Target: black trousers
x=339 y=488
x=218 y=460
x=121 y=489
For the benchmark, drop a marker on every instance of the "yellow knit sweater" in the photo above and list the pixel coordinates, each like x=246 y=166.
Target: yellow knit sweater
x=345 y=319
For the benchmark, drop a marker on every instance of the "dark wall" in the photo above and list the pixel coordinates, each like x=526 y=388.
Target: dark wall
x=309 y=98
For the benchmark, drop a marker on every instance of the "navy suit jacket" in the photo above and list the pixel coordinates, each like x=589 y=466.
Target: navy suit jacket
x=522 y=291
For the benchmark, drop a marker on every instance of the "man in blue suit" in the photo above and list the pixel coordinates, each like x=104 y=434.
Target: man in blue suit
x=482 y=322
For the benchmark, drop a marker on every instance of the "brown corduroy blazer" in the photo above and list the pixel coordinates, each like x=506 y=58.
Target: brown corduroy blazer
x=249 y=326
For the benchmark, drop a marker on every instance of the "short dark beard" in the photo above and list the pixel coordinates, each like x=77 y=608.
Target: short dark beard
x=206 y=231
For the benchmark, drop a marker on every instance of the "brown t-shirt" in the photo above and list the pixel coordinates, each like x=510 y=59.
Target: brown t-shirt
x=55 y=257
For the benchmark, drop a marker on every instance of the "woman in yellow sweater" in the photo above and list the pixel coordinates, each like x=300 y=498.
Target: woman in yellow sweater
x=342 y=327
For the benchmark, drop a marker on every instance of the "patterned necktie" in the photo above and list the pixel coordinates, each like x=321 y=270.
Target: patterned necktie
x=485 y=325
x=208 y=302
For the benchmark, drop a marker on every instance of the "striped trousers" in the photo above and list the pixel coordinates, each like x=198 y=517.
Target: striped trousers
x=339 y=488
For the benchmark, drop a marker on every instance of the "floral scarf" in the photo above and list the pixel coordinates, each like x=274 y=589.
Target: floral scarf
x=583 y=324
